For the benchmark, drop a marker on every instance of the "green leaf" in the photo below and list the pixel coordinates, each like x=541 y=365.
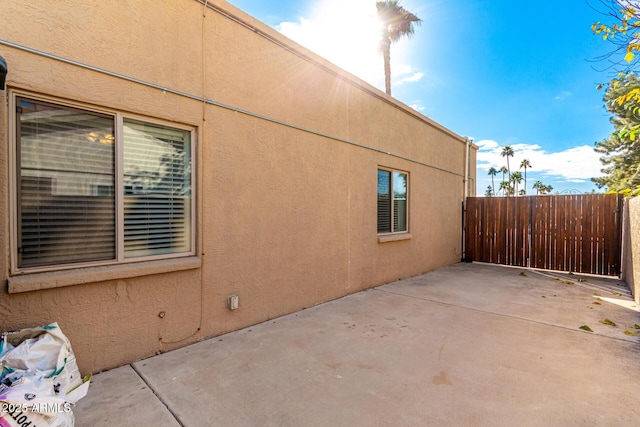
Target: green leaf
x=607 y=322
x=585 y=328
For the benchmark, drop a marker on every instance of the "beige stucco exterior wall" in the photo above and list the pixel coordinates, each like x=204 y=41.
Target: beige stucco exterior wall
x=287 y=155
x=631 y=246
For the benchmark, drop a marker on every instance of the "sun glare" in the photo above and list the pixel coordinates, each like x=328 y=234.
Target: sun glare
x=344 y=32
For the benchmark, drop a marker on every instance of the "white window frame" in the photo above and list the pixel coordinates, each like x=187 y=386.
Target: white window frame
x=392 y=171
x=118 y=117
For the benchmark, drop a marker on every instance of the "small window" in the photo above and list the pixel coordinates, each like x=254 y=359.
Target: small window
x=86 y=196
x=392 y=201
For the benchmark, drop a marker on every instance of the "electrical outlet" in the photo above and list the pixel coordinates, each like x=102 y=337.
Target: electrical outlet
x=233 y=302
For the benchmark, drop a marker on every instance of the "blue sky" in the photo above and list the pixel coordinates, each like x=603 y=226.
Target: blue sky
x=501 y=72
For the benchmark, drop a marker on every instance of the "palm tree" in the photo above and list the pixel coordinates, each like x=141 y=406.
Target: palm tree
x=396 y=23
x=541 y=188
x=538 y=186
x=516 y=178
x=525 y=164
x=505 y=187
x=504 y=170
x=493 y=172
x=507 y=152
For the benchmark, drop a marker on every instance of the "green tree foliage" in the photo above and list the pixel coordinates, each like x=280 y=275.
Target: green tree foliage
x=537 y=186
x=516 y=179
x=489 y=191
x=621 y=150
x=506 y=188
x=397 y=23
x=541 y=188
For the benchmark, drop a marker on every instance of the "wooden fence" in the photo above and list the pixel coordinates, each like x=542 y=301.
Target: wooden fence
x=578 y=233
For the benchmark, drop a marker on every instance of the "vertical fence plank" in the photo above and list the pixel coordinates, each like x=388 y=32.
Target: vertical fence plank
x=548 y=224
x=522 y=230
x=560 y=239
x=471 y=223
x=608 y=231
x=576 y=207
x=611 y=263
x=537 y=232
x=599 y=233
x=499 y=227
x=588 y=210
x=488 y=237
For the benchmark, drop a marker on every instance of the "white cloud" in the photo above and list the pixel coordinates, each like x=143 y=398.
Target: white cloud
x=401 y=70
x=577 y=164
x=563 y=95
x=417 y=107
x=411 y=79
x=487 y=144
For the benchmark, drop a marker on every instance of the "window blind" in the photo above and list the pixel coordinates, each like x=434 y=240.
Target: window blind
x=66 y=202
x=384 y=201
x=157 y=189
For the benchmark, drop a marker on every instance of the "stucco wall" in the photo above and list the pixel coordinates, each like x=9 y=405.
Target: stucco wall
x=287 y=155
x=631 y=246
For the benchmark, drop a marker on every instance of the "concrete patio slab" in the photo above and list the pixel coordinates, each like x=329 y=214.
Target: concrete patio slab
x=553 y=298
x=469 y=344
x=119 y=397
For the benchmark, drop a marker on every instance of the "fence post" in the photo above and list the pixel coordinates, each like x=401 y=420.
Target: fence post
x=463 y=258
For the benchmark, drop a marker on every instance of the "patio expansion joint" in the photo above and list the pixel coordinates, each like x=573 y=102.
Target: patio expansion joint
x=523 y=319
x=142 y=377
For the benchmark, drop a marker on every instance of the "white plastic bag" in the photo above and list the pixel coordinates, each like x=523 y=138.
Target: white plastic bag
x=39 y=378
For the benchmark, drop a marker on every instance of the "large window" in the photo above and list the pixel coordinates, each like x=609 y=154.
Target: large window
x=98 y=188
x=392 y=201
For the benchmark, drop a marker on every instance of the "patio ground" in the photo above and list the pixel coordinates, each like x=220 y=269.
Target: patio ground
x=469 y=344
